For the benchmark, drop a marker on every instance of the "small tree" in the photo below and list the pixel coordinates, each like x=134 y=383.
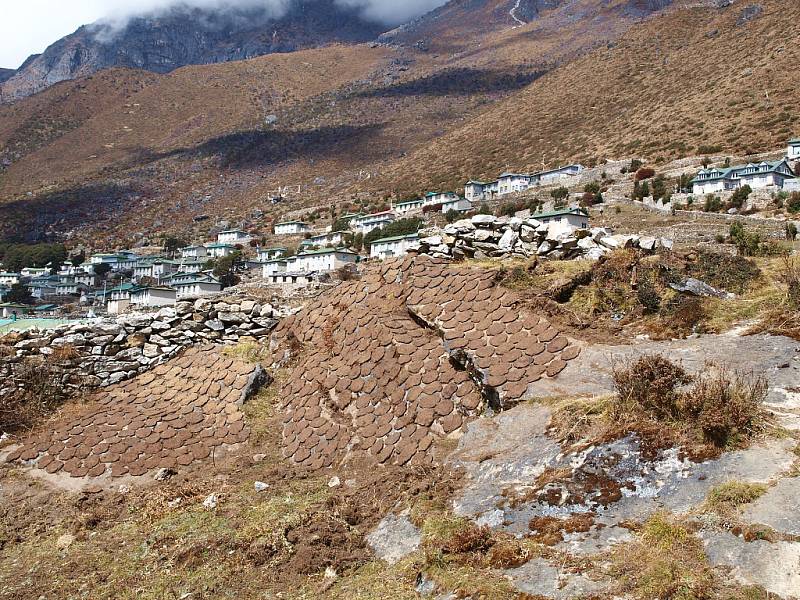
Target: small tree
x=560 y=193
x=451 y=215
x=226 y=267
x=740 y=196
x=102 y=269
x=19 y=294
x=172 y=244
x=791 y=232
x=712 y=203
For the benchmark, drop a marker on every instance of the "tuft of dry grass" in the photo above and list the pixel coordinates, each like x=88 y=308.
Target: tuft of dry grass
x=727 y=498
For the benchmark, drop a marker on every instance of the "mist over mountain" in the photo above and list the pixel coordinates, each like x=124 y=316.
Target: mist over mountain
x=162 y=35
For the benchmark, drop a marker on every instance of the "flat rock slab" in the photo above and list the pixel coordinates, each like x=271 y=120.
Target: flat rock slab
x=591 y=373
x=774 y=566
x=540 y=578
x=394 y=538
x=405 y=356
x=175 y=415
x=779 y=508
x=504 y=457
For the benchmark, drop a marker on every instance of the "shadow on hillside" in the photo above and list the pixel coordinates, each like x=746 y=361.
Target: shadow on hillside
x=462 y=81
x=55 y=214
x=257 y=148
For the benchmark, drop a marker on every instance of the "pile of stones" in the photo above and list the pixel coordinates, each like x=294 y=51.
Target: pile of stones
x=487 y=236
x=107 y=351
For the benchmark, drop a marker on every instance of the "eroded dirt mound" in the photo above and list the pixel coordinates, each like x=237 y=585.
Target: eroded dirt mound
x=176 y=414
x=406 y=355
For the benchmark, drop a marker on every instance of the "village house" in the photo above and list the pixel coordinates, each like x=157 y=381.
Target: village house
x=433 y=198
x=118 y=299
x=194 y=252
x=366 y=223
x=561 y=220
x=233 y=236
x=197 y=287
x=34 y=272
x=317 y=261
x=557 y=175
x=70 y=288
x=150 y=296
x=476 y=191
x=155 y=268
x=191 y=266
x=403 y=208
x=334 y=238
x=10 y=279
x=458 y=205
x=265 y=254
x=41 y=287
x=763 y=175
x=297 y=279
x=220 y=250
x=88 y=279
x=392 y=246
x=273 y=266
x=117 y=262
x=793 y=149
x=510 y=183
x=291 y=228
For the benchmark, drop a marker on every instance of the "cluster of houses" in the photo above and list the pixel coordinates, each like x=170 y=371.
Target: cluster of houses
x=511 y=183
x=776 y=174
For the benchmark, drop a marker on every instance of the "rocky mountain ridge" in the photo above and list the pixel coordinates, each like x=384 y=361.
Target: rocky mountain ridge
x=185 y=36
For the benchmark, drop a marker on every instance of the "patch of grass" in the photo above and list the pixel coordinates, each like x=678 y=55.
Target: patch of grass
x=725 y=499
x=374 y=581
x=250 y=352
x=667 y=561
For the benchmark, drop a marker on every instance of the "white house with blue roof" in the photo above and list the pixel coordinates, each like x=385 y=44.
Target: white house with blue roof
x=763 y=175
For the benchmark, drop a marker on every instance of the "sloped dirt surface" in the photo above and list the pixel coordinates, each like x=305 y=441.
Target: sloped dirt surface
x=177 y=414
x=405 y=356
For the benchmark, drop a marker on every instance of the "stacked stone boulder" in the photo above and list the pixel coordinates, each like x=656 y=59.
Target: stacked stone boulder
x=487 y=236
x=108 y=351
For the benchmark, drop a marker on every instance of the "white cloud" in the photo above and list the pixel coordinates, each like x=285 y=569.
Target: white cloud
x=29 y=26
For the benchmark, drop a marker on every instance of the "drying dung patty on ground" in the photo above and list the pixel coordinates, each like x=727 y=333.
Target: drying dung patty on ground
x=172 y=416
x=404 y=356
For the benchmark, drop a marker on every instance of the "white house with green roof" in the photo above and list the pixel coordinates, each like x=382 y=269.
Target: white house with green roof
x=194 y=252
x=366 y=223
x=9 y=279
x=218 y=250
x=265 y=254
x=319 y=261
x=793 y=149
x=403 y=208
x=273 y=266
x=233 y=236
x=196 y=286
x=393 y=246
x=763 y=175
x=432 y=198
x=151 y=296
x=332 y=238
x=563 y=219
x=291 y=228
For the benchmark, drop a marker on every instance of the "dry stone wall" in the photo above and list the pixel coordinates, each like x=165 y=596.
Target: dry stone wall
x=108 y=351
x=487 y=236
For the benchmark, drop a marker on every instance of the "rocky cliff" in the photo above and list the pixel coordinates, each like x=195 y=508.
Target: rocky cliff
x=183 y=36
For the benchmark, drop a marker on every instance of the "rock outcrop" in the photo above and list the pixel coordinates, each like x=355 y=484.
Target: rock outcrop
x=164 y=41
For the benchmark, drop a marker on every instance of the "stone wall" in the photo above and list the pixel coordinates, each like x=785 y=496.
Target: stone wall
x=107 y=351
x=487 y=236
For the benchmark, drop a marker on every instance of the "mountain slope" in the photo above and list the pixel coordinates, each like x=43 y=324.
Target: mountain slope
x=185 y=36
x=692 y=77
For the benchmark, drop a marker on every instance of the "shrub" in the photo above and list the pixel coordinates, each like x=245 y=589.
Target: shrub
x=712 y=203
x=740 y=196
x=791 y=231
x=451 y=215
x=645 y=173
x=651 y=385
x=726 y=405
x=560 y=193
x=793 y=202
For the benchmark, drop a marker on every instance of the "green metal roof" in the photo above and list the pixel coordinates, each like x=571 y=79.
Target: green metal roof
x=729 y=171
x=396 y=238
x=291 y=223
x=560 y=212
x=326 y=251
